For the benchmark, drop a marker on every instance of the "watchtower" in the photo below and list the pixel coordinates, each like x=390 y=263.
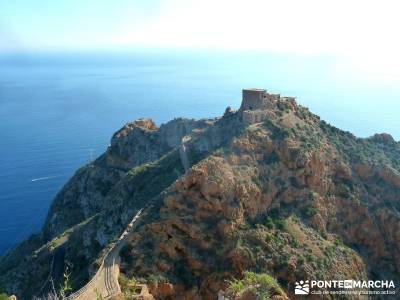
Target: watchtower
x=258 y=99
x=253 y=99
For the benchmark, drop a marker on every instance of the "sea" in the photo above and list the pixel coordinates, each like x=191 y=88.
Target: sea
x=58 y=110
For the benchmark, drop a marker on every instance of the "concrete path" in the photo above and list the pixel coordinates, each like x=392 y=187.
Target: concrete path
x=183 y=153
x=105 y=282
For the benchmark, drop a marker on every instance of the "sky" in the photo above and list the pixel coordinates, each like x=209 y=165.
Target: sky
x=363 y=33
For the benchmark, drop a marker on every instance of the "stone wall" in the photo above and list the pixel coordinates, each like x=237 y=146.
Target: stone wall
x=256 y=116
x=254 y=99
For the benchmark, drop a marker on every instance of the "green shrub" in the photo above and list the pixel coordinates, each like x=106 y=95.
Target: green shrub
x=262 y=285
x=339 y=243
x=3 y=296
x=309 y=211
x=237 y=286
x=156 y=278
x=269 y=223
x=280 y=224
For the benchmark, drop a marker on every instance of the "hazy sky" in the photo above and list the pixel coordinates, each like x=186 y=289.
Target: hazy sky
x=364 y=32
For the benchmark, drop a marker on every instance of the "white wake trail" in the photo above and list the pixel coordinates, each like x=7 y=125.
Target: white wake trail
x=45 y=178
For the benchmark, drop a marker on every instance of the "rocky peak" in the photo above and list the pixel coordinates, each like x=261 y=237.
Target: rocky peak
x=142 y=124
x=383 y=138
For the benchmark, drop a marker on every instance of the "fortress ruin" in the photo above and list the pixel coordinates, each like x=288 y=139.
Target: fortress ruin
x=257 y=105
x=253 y=99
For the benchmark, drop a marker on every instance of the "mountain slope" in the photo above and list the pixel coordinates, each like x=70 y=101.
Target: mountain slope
x=270 y=189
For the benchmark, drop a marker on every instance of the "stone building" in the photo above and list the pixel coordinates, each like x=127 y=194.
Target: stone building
x=253 y=99
x=258 y=105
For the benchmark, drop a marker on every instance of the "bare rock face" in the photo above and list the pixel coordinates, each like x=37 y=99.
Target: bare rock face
x=269 y=188
x=142 y=141
x=136 y=143
x=243 y=198
x=390 y=175
x=133 y=144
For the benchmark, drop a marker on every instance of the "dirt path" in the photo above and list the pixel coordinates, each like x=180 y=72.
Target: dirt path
x=105 y=281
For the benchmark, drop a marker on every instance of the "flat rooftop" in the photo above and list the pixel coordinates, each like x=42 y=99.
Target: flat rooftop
x=255 y=90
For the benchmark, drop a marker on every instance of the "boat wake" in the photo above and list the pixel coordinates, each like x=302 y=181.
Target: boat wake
x=45 y=178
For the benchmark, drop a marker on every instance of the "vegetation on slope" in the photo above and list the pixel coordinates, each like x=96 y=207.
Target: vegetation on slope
x=287 y=197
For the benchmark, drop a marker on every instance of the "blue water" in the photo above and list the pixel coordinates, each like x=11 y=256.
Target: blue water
x=57 y=108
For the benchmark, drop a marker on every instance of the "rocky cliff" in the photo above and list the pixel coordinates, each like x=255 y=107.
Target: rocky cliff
x=271 y=189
